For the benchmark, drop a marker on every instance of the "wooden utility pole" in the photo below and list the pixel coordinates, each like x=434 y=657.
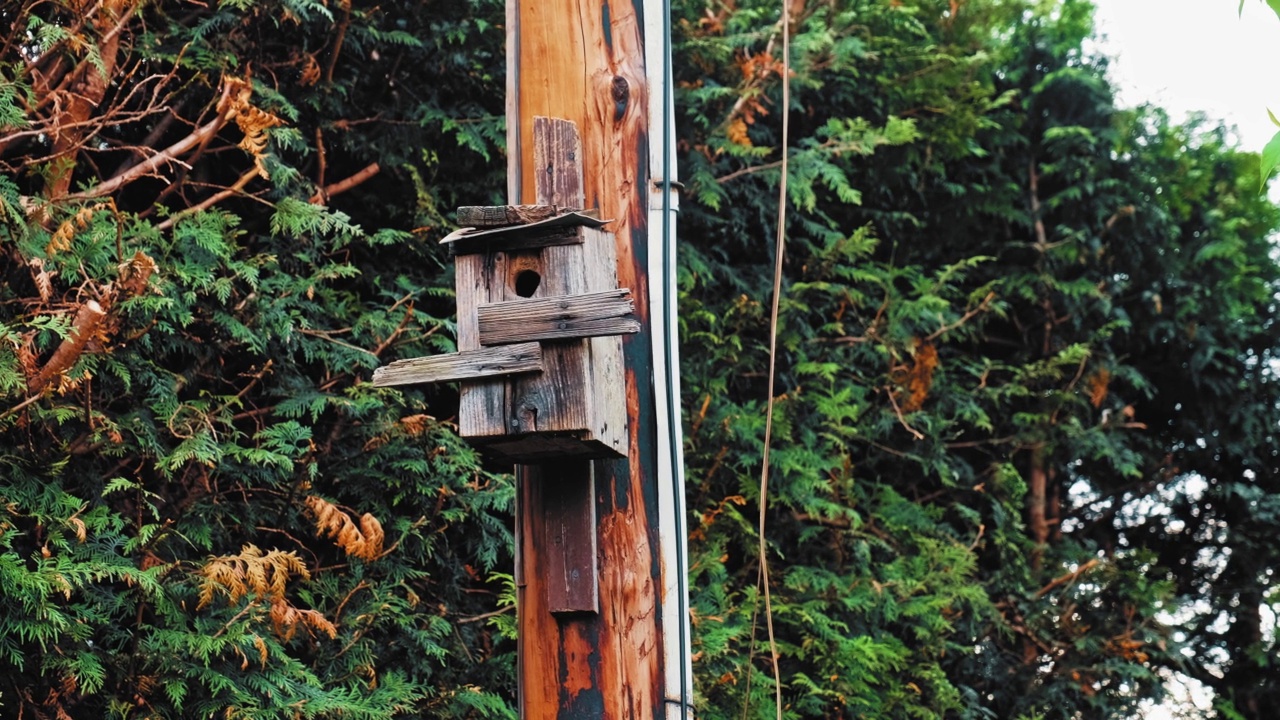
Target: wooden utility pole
x=600 y=563
x=566 y=354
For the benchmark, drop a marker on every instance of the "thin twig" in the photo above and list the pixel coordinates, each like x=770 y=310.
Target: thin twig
x=485 y=616
x=337 y=44
x=211 y=200
x=982 y=528
x=1068 y=577
x=325 y=336
x=337 y=614
x=982 y=307
x=395 y=545
x=408 y=315
x=237 y=616
x=780 y=243
x=898 y=411
x=19 y=406
x=328 y=191
x=322 y=164
x=253 y=380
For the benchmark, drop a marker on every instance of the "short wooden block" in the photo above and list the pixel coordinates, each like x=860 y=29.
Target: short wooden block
x=490 y=216
x=566 y=317
x=500 y=216
x=465 y=365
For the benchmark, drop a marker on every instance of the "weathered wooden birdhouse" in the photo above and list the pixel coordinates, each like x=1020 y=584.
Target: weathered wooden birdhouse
x=540 y=317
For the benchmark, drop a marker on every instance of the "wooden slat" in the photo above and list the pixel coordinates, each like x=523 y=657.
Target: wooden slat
x=494 y=219
x=563 y=228
x=465 y=365
x=557 y=159
x=482 y=403
x=608 y=374
x=567 y=488
x=562 y=221
x=565 y=317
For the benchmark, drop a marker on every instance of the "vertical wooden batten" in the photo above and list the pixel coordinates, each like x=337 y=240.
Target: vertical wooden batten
x=584 y=61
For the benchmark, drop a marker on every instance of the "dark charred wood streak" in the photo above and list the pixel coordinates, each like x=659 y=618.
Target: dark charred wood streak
x=621 y=94
x=606 y=25
x=638 y=355
x=579 y=695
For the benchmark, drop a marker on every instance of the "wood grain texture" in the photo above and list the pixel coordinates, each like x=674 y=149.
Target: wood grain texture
x=582 y=60
x=566 y=513
x=557 y=158
x=608 y=377
x=487 y=216
x=555 y=400
x=486 y=362
x=569 y=536
x=482 y=410
x=567 y=317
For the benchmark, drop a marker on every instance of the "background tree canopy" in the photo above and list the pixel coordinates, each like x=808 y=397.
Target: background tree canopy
x=1027 y=460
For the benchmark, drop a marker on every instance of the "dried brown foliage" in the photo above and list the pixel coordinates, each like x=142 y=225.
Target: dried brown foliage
x=264 y=577
x=363 y=540
x=916 y=377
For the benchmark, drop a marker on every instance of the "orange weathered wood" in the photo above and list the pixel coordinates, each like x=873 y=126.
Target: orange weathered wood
x=565 y=63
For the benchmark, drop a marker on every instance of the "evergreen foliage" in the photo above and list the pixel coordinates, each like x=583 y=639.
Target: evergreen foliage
x=208 y=509
x=1021 y=345
x=1027 y=423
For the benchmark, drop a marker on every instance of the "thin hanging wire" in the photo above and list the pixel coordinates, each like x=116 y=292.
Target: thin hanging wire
x=779 y=248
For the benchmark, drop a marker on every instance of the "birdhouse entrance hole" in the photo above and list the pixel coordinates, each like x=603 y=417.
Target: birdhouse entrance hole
x=527 y=283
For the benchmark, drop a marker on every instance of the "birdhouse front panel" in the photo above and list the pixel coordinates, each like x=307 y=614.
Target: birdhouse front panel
x=574 y=407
